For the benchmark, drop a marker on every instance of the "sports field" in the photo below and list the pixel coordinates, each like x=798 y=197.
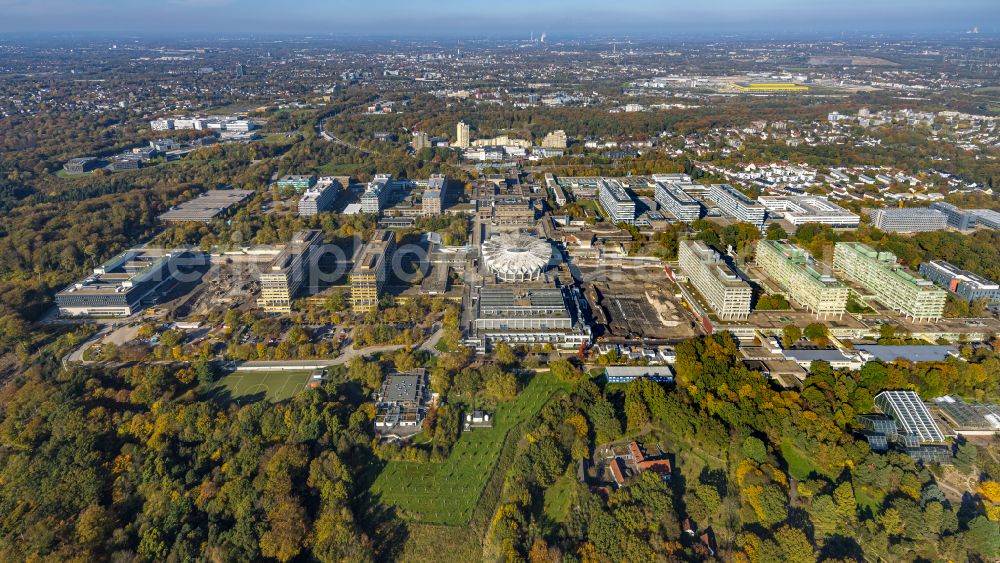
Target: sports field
x=447 y=492
x=275 y=386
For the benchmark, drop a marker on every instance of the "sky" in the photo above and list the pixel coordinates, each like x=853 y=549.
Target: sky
x=501 y=18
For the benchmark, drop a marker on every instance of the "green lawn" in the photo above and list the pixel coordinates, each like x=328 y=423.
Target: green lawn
x=447 y=492
x=275 y=386
x=558 y=498
x=799 y=466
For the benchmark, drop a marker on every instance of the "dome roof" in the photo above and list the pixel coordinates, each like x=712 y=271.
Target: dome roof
x=516 y=257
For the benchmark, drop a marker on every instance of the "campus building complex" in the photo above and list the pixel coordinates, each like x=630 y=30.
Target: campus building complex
x=965 y=284
x=376 y=194
x=119 y=287
x=961 y=219
x=617 y=203
x=908 y=220
x=371 y=271
x=794 y=270
x=288 y=272
x=297 y=181
x=892 y=285
x=728 y=294
x=207 y=206
x=526 y=314
x=682 y=206
x=319 y=197
x=802 y=209
x=433 y=202
x=736 y=204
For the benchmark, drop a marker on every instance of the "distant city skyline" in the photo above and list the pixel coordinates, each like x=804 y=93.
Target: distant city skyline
x=464 y=18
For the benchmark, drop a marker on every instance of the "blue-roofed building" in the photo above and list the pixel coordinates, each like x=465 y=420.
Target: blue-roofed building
x=919 y=353
x=625 y=374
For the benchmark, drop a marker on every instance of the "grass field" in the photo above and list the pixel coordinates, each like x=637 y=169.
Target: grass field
x=248 y=386
x=799 y=466
x=559 y=497
x=447 y=492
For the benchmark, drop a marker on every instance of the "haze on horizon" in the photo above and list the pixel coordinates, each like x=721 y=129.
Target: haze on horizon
x=514 y=18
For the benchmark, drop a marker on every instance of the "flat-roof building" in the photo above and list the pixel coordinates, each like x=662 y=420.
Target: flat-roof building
x=207 y=206
x=297 y=181
x=377 y=194
x=526 y=314
x=965 y=284
x=319 y=197
x=736 y=204
x=677 y=202
x=371 y=271
x=617 y=202
x=402 y=400
x=802 y=209
x=961 y=219
x=796 y=272
x=908 y=219
x=718 y=282
x=893 y=286
x=433 y=201
x=82 y=165
x=987 y=218
x=118 y=287
x=287 y=273
x=625 y=374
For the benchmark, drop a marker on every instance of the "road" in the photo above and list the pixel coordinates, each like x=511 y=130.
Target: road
x=77 y=355
x=321 y=131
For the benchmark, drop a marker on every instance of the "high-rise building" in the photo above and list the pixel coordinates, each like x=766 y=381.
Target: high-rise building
x=421 y=141
x=376 y=194
x=679 y=204
x=965 y=284
x=718 y=282
x=795 y=271
x=319 y=197
x=462 y=135
x=908 y=220
x=288 y=272
x=736 y=204
x=617 y=202
x=555 y=140
x=893 y=286
x=961 y=219
x=433 y=201
x=371 y=271
x=241 y=70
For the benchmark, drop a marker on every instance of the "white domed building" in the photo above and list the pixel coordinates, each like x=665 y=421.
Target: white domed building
x=516 y=257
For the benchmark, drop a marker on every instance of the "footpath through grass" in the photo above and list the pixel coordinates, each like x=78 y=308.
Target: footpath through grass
x=447 y=492
x=249 y=386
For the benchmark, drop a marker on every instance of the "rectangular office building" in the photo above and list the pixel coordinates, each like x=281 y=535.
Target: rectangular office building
x=288 y=272
x=678 y=203
x=319 y=197
x=723 y=289
x=371 y=271
x=908 y=220
x=736 y=204
x=965 y=284
x=207 y=206
x=433 y=201
x=119 y=286
x=958 y=218
x=802 y=209
x=526 y=314
x=617 y=202
x=795 y=271
x=297 y=181
x=987 y=218
x=893 y=286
